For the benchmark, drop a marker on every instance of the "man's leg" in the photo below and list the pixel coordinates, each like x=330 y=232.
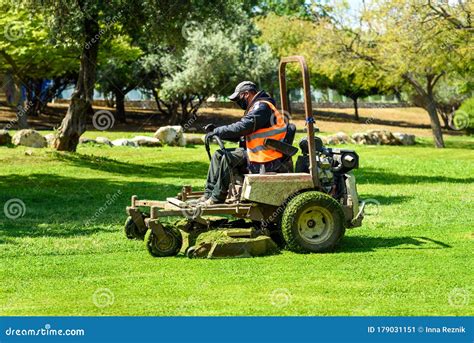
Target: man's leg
x=235 y=159
x=212 y=173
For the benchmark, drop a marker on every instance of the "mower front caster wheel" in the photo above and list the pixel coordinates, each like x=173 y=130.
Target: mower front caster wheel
x=168 y=244
x=132 y=231
x=312 y=222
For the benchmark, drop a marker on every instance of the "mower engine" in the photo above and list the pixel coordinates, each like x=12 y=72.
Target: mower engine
x=335 y=175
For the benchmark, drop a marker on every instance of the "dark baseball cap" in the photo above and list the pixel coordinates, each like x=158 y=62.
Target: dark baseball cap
x=244 y=86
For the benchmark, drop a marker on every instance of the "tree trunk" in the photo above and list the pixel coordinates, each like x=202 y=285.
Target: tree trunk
x=356 y=108
x=22 y=117
x=74 y=123
x=174 y=116
x=120 y=107
x=435 y=124
x=429 y=104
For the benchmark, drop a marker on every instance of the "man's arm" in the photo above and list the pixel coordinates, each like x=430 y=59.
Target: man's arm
x=258 y=117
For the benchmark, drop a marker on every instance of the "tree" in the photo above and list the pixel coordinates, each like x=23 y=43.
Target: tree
x=403 y=41
x=28 y=53
x=119 y=71
x=215 y=58
x=294 y=36
x=88 y=22
x=349 y=86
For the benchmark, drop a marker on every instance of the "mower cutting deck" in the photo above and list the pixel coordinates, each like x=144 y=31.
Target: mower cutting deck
x=305 y=208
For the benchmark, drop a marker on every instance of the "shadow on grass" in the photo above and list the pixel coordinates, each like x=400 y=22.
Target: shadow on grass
x=180 y=169
x=368 y=244
x=59 y=206
x=385 y=199
x=368 y=175
x=450 y=144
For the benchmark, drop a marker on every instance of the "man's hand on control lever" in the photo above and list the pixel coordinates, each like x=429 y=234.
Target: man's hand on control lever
x=209 y=128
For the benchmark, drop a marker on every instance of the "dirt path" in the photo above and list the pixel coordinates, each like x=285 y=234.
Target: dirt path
x=329 y=120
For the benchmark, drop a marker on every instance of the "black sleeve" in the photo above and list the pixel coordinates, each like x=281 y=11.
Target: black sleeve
x=257 y=118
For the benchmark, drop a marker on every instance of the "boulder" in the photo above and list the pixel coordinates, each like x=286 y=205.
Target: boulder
x=404 y=138
x=171 y=135
x=383 y=137
x=358 y=138
x=124 y=142
x=343 y=137
x=49 y=139
x=146 y=141
x=332 y=140
x=5 y=137
x=103 y=140
x=84 y=140
x=194 y=140
x=29 y=138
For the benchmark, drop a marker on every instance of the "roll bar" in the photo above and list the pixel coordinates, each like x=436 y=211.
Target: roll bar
x=313 y=169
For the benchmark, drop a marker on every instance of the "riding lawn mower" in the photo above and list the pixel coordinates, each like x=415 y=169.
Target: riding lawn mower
x=305 y=207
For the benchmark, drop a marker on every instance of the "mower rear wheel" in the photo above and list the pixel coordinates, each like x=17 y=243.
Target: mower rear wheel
x=166 y=245
x=132 y=231
x=312 y=222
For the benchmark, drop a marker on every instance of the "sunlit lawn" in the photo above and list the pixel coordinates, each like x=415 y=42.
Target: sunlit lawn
x=413 y=255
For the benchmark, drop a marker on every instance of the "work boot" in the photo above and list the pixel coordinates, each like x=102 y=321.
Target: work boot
x=211 y=201
x=202 y=199
x=194 y=202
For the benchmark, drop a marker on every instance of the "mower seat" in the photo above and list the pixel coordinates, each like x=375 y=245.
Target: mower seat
x=285 y=147
x=290 y=134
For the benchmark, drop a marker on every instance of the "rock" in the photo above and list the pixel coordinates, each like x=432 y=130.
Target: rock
x=194 y=140
x=171 y=135
x=5 y=137
x=49 y=139
x=324 y=139
x=405 y=138
x=358 y=137
x=123 y=142
x=373 y=137
x=103 y=140
x=146 y=141
x=343 y=137
x=332 y=140
x=84 y=140
x=29 y=138
x=383 y=137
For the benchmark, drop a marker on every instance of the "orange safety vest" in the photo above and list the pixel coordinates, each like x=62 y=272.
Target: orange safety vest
x=256 y=151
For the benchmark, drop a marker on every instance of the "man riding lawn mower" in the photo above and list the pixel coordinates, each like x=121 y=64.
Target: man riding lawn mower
x=305 y=208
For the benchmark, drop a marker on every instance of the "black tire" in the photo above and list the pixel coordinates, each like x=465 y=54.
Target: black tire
x=170 y=245
x=190 y=252
x=312 y=222
x=132 y=231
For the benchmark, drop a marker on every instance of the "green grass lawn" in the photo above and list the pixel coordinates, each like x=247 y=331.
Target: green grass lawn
x=412 y=256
